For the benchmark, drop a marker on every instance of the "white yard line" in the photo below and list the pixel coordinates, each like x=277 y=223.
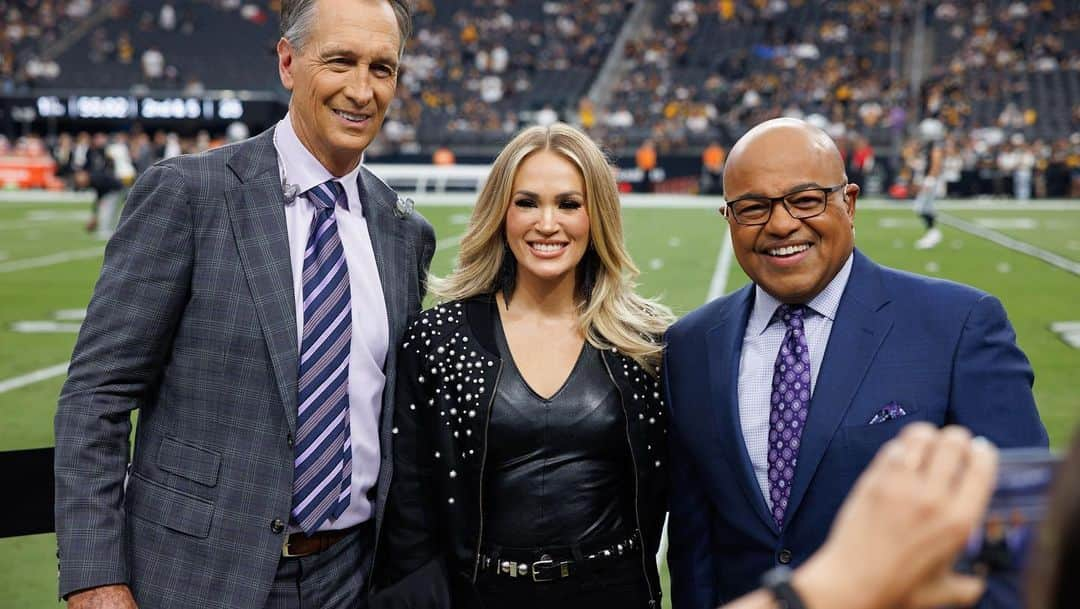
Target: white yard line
x=718 y=285
x=33 y=377
x=1016 y=245
x=52 y=259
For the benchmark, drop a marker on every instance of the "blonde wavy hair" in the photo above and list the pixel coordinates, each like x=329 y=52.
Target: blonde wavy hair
x=611 y=314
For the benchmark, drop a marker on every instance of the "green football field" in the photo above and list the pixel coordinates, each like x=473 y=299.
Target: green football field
x=48 y=265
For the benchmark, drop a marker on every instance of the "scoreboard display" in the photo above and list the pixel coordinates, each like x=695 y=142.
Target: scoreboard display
x=109 y=112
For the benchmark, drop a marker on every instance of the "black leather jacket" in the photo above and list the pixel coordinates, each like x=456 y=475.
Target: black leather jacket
x=448 y=369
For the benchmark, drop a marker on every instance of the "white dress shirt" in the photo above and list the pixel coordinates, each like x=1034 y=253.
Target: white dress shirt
x=370 y=328
x=761 y=344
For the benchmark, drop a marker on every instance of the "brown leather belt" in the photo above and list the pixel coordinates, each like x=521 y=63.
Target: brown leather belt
x=301 y=544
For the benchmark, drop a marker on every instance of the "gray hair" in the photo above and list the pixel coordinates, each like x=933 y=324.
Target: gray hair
x=297 y=17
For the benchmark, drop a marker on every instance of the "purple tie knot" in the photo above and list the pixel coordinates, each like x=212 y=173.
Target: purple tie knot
x=326 y=195
x=791 y=315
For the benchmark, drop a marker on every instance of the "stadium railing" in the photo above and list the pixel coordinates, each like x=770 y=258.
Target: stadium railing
x=440 y=179
x=432 y=178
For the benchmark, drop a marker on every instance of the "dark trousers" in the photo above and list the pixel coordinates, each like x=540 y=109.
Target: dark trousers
x=619 y=583
x=335 y=578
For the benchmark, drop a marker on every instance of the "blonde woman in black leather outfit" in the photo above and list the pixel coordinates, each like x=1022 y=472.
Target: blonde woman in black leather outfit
x=530 y=448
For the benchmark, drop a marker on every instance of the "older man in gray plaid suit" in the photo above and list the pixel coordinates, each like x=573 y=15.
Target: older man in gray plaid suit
x=249 y=306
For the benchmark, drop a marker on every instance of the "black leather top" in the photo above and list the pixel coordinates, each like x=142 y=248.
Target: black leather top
x=558 y=470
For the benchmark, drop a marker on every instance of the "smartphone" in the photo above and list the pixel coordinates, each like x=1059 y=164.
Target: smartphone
x=1003 y=543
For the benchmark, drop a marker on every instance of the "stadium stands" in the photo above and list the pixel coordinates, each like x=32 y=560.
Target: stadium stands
x=708 y=70
x=475 y=71
x=150 y=45
x=29 y=30
x=1014 y=65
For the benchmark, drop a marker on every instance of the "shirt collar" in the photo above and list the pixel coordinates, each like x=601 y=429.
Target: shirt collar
x=825 y=303
x=304 y=170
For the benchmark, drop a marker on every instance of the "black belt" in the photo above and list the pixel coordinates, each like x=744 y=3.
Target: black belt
x=555 y=563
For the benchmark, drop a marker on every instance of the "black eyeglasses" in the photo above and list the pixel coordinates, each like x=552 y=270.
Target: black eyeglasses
x=801 y=204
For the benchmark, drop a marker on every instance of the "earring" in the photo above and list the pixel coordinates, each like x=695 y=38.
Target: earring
x=590 y=267
x=507 y=274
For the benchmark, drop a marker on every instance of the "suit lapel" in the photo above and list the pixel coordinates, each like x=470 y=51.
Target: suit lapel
x=393 y=259
x=724 y=346
x=860 y=327
x=257 y=214
x=388 y=244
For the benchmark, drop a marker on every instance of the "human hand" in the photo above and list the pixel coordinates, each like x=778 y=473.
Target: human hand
x=117 y=596
x=897 y=536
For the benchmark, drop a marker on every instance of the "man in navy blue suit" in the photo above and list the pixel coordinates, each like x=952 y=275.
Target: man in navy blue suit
x=781 y=392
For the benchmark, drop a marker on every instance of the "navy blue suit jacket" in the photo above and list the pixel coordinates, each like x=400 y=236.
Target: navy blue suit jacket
x=945 y=352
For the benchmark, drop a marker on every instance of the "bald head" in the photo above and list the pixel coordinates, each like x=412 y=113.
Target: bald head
x=793 y=215
x=776 y=148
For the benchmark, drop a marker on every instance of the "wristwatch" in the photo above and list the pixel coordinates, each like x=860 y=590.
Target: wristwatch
x=778 y=582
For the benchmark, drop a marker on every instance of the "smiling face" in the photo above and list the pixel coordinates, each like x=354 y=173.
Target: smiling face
x=547 y=225
x=342 y=80
x=793 y=260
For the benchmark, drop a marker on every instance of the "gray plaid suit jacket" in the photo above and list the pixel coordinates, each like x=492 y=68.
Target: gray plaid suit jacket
x=192 y=322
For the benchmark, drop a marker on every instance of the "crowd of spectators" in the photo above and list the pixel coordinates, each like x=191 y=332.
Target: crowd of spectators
x=474 y=72
x=1003 y=95
x=28 y=29
x=1014 y=65
x=121 y=35
x=708 y=69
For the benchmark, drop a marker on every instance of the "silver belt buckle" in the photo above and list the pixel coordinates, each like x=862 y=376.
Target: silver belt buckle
x=546 y=561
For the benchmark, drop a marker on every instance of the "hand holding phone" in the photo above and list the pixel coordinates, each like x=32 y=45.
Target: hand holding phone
x=1018 y=506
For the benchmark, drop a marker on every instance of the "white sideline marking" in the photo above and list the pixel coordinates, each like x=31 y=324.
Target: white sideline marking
x=70 y=314
x=718 y=285
x=46 y=327
x=33 y=377
x=50 y=260
x=1069 y=331
x=1061 y=262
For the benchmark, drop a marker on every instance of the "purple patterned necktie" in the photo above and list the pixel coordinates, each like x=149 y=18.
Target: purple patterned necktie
x=323 y=468
x=790 y=402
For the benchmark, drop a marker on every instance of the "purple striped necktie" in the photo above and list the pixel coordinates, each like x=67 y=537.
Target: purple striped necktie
x=323 y=467
x=790 y=402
